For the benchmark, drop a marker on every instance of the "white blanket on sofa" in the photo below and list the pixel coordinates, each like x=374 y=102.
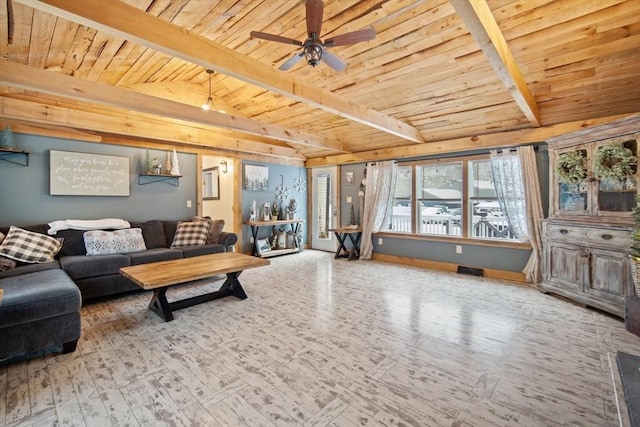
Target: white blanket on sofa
x=90 y=224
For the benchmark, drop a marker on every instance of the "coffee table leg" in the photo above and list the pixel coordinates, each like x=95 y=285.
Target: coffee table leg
x=159 y=304
x=232 y=286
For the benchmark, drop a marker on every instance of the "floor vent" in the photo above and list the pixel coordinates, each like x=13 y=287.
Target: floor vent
x=470 y=270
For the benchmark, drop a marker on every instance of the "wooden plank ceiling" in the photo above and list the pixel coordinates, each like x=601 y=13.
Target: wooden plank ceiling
x=439 y=76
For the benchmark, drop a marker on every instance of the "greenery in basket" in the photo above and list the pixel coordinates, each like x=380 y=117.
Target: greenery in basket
x=571 y=168
x=613 y=161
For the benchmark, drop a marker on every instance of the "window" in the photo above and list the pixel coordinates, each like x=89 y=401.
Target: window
x=487 y=219
x=439 y=198
x=449 y=198
x=401 y=220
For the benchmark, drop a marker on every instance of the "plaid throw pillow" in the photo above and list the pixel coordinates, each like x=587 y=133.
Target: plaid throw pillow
x=190 y=234
x=215 y=228
x=27 y=246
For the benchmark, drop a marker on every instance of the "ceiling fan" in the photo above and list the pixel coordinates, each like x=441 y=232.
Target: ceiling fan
x=313 y=49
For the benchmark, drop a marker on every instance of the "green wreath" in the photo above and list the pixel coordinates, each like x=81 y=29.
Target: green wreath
x=571 y=168
x=613 y=161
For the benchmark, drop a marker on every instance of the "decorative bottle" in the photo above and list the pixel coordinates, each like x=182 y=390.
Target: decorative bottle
x=7 y=141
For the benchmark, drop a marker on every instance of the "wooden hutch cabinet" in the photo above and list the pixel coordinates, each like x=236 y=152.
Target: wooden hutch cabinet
x=587 y=237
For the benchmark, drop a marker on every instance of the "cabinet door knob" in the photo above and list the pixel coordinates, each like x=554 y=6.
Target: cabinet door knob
x=563 y=231
x=607 y=236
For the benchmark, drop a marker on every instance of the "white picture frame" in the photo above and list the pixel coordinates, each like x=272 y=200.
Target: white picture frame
x=256 y=178
x=263 y=246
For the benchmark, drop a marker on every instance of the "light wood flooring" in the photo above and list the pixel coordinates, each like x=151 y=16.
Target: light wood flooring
x=324 y=342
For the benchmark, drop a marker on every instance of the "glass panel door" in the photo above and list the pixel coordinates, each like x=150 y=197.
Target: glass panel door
x=324 y=208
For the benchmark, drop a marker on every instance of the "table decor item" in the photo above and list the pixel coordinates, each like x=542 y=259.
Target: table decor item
x=7 y=141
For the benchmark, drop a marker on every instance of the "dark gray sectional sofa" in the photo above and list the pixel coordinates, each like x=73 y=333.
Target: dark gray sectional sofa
x=41 y=302
x=98 y=275
x=39 y=310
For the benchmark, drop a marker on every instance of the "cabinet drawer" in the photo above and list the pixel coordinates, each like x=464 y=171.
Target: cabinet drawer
x=612 y=237
x=564 y=232
x=590 y=235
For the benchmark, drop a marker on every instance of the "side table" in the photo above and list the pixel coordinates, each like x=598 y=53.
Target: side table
x=354 y=235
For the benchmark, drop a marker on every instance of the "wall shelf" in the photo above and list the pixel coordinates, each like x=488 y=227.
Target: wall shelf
x=14 y=156
x=148 y=178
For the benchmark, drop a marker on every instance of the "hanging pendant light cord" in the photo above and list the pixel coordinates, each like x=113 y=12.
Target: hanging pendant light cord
x=209 y=104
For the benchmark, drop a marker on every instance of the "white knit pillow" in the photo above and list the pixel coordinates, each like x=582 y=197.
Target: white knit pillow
x=100 y=242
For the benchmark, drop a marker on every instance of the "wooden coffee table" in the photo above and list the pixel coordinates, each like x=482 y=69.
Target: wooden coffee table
x=160 y=276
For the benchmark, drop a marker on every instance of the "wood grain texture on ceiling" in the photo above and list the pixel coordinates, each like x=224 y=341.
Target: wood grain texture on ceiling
x=439 y=76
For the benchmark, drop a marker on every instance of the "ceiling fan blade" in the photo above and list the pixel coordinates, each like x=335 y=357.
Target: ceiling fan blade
x=314 y=17
x=273 y=37
x=333 y=61
x=353 y=37
x=291 y=61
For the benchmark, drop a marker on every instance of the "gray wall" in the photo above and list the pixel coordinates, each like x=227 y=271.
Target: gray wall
x=25 y=199
x=472 y=255
x=278 y=175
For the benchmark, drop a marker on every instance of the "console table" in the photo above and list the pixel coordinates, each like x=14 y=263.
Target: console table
x=295 y=225
x=354 y=235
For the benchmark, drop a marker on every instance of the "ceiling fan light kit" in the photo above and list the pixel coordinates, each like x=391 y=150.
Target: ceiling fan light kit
x=313 y=49
x=313 y=53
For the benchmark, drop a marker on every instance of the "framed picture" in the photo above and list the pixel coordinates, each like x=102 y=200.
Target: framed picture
x=256 y=178
x=263 y=246
x=349 y=178
x=87 y=174
x=211 y=184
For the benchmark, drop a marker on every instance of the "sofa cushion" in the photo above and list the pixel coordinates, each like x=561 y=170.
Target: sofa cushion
x=39 y=295
x=190 y=234
x=154 y=255
x=99 y=242
x=82 y=266
x=27 y=246
x=73 y=243
x=153 y=233
x=191 y=251
x=170 y=230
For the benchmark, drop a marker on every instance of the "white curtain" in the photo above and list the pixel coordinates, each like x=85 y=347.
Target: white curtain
x=378 y=202
x=518 y=190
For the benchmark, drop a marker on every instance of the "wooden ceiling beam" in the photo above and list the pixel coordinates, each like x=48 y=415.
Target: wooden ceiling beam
x=137 y=125
x=482 y=25
x=133 y=24
x=458 y=145
x=23 y=76
x=105 y=138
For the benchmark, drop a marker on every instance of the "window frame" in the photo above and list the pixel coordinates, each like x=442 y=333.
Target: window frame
x=466 y=217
